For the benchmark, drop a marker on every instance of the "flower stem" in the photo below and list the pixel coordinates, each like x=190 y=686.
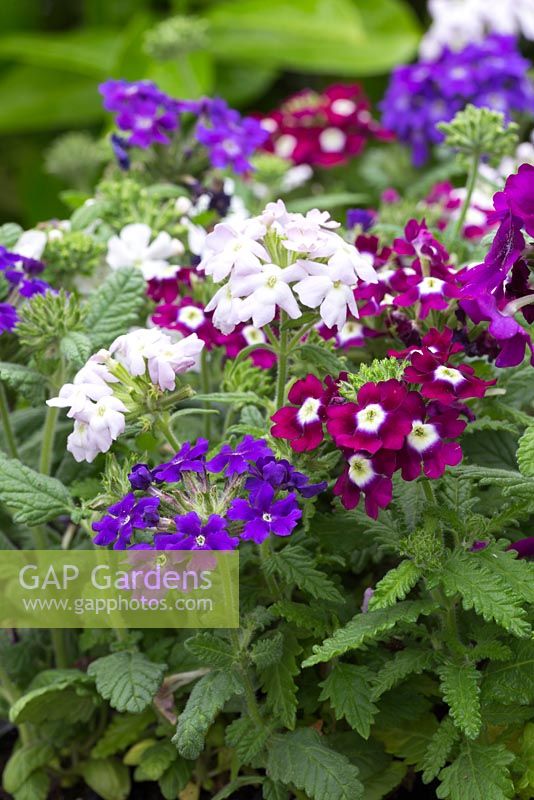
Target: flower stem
x=12 y=694
x=47 y=445
x=165 y=428
x=427 y=489
x=250 y=694
x=272 y=585
x=205 y=381
x=471 y=183
x=58 y=643
x=281 y=377
x=11 y=444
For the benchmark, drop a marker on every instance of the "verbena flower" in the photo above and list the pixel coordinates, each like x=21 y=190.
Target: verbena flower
x=491 y=73
x=8 y=317
x=264 y=515
x=302 y=422
x=133 y=248
x=230 y=138
x=369 y=476
x=191 y=534
x=124 y=517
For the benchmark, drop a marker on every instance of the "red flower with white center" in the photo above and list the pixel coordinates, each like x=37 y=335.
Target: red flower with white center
x=302 y=423
x=370 y=476
x=381 y=418
x=441 y=381
x=431 y=293
x=440 y=344
x=426 y=446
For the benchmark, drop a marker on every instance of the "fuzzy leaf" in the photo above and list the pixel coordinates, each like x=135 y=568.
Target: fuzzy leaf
x=395 y=585
x=295 y=567
x=34 y=498
x=515 y=573
x=122 y=731
x=108 y=777
x=300 y=758
x=211 y=650
x=461 y=691
x=486 y=592
x=23 y=380
x=439 y=749
x=65 y=700
x=115 y=306
x=76 y=347
x=277 y=682
x=175 y=779
x=407 y=662
x=480 y=772
x=308 y=617
x=513 y=680
x=23 y=762
x=204 y=703
x=525 y=452
x=127 y=680
x=366 y=627
x=274 y=791
x=320 y=358
x=155 y=761
x=348 y=689
x=247 y=739
x=268 y=651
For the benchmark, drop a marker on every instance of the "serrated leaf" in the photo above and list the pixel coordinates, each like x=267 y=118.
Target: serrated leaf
x=464 y=574
x=439 y=749
x=247 y=738
x=155 y=761
x=268 y=651
x=108 y=777
x=274 y=791
x=300 y=758
x=23 y=762
x=175 y=779
x=211 y=650
x=115 y=306
x=204 y=703
x=127 y=680
x=480 y=772
x=232 y=398
x=525 y=452
x=122 y=731
x=76 y=347
x=34 y=498
x=407 y=662
x=24 y=380
x=407 y=738
x=366 y=627
x=395 y=585
x=516 y=573
x=304 y=616
x=326 y=362
x=461 y=692
x=67 y=701
x=513 y=680
x=277 y=681
x=348 y=688
x=295 y=567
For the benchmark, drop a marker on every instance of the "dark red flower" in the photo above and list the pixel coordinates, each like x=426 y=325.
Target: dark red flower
x=302 y=423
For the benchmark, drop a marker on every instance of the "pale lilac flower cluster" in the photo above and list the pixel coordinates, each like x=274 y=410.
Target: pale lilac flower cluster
x=282 y=261
x=100 y=396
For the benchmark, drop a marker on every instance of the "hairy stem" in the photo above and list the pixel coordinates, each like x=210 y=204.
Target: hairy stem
x=47 y=446
x=205 y=382
x=11 y=444
x=471 y=183
x=165 y=428
x=281 y=376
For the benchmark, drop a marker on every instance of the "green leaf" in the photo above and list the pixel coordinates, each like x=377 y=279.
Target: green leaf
x=268 y=651
x=407 y=738
x=76 y=347
x=87 y=214
x=327 y=202
x=24 y=380
x=23 y=762
x=513 y=680
x=232 y=398
x=203 y=704
x=480 y=772
x=175 y=778
x=34 y=498
x=309 y=617
x=247 y=739
x=127 y=680
x=486 y=592
x=301 y=759
x=338 y=36
x=35 y=787
x=368 y=627
x=514 y=572
x=64 y=700
x=295 y=567
x=461 y=691
x=274 y=791
x=211 y=650
x=320 y=358
x=348 y=688
x=10 y=233
x=407 y=662
x=525 y=452
x=108 y=777
x=155 y=761
x=395 y=585
x=122 y=731
x=439 y=749
x=278 y=682
x=228 y=791
x=115 y=306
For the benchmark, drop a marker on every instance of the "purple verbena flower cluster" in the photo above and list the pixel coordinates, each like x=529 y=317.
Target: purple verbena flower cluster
x=491 y=73
x=194 y=503
x=150 y=116
x=20 y=274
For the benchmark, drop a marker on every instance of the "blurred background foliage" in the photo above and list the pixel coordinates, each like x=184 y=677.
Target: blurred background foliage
x=54 y=53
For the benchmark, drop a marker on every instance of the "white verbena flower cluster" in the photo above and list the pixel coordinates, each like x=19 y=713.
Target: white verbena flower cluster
x=133 y=248
x=266 y=260
x=455 y=23
x=97 y=398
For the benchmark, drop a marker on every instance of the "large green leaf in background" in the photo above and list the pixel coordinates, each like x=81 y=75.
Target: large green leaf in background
x=344 y=37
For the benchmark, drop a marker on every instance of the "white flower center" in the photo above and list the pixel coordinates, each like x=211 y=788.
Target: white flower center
x=350 y=330
x=361 y=471
x=231 y=147
x=191 y=316
x=253 y=335
x=269 y=124
x=332 y=140
x=144 y=123
x=423 y=436
x=200 y=540
x=267 y=517
x=449 y=374
x=308 y=411
x=370 y=419
x=431 y=286
x=343 y=107
x=285 y=146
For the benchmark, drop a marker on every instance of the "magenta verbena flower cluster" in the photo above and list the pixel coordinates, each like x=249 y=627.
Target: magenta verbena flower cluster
x=241 y=493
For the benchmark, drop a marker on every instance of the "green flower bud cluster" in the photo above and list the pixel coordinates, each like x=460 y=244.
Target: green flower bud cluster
x=380 y=369
x=176 y=36
x=480 y=132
